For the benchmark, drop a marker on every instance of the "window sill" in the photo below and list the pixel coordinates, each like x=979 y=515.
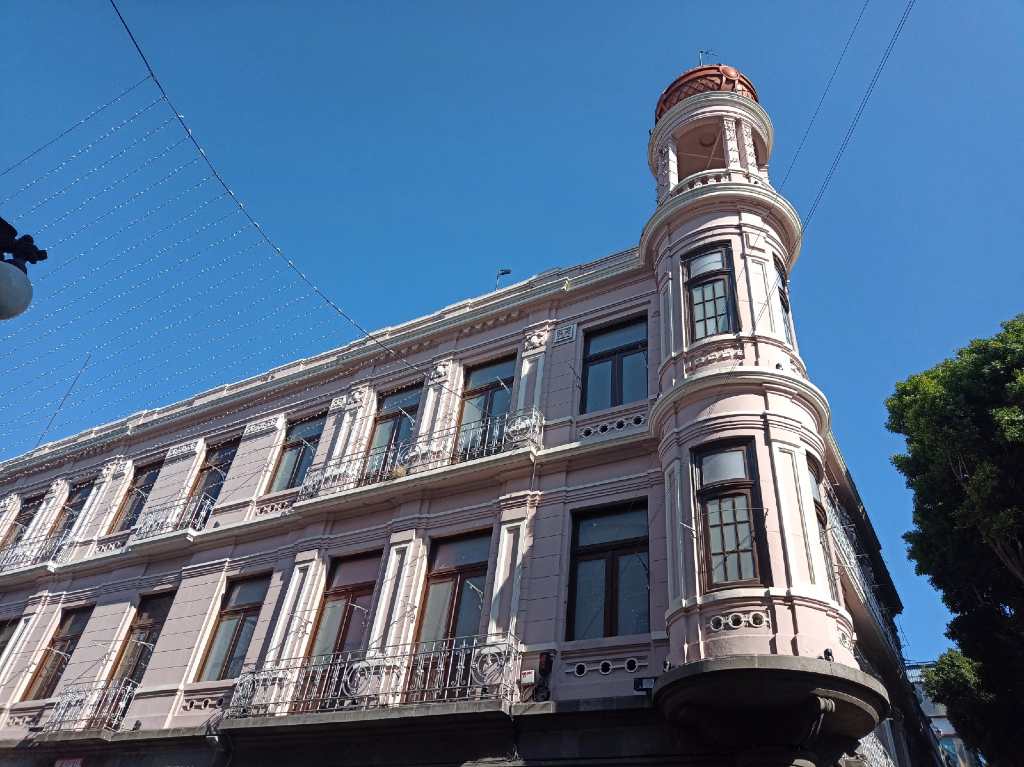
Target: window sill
x=573 y=647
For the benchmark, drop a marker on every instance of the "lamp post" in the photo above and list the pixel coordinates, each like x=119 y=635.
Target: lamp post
x=15 y=287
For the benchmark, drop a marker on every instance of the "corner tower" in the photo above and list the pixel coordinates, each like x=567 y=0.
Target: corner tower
x=760 y=638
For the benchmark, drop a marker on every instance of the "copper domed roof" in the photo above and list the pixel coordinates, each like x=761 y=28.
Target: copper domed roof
x=713 y=77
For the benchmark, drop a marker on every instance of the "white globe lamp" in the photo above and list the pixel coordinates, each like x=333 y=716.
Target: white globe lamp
x=15 y=291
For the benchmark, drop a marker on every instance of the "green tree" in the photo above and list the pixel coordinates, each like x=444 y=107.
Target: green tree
x=963 y=421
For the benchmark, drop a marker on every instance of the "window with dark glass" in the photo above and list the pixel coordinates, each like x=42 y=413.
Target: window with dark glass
x=615 y=366
x=344 y=619
x=609 y=584
x=57 y=653
x=392 y=430
x=814 y=475
x=782 y=290
x=725 y=481
x=300 y=444
x=20 y=524
x=8 y=629
x=485 y=402
x=214 y=470
x=709 y=287
x=454 y=603
x=138 y=493
x=137 y=648
x=240 y=609
x=69 y=513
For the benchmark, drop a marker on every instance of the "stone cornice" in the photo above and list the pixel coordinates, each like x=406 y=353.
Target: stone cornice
x=514 y=298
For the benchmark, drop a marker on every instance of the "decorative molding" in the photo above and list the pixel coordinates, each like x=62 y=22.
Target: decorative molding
x=255 y=428
x=536 y=340
x=661 y=174
x=114 y=469
x=564 y=334
x=282 y=505
x=626 y=423
x=440 y=372
x=701 y=357
x=8 y=503
x=757 y=619
x=351 y=400
x=606 y=666
x=111 y=544
x=184 y=450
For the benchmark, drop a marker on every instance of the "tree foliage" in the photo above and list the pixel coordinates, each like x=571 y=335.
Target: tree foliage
x=963 y=421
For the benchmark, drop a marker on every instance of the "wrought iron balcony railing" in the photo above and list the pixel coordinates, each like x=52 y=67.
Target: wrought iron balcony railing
x=191 y=513
x=33 y=551
x=92 y=706
x=477 y=439
x=463 y=669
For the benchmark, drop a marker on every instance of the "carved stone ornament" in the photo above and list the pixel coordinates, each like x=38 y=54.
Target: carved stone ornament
x=712 y=357
x=536 y=340
x=9 y=502
x=564 y=334
x=351 y=400
x=440 y=372
x=115 y=468
x=662 y=176
x=184 y=450
x=260 y=427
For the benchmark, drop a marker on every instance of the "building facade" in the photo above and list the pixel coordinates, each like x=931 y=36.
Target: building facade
x=954 y=750
x=597 y=517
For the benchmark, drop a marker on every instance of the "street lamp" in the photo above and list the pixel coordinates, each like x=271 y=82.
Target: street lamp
x=15 y=288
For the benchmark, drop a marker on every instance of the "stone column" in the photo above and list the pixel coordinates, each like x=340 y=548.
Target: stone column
x=732 y=144
x=668 y=168
x=529 y=382
x=749 y=152
x=438 y=410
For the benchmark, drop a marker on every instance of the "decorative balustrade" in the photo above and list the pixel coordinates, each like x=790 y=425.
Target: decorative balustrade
x=861 y=575
x=33 y=551
x=717 y=176
x=873 y=753
x=191 y=513
x=482 y=667
x=467 y=442
x=92 y=706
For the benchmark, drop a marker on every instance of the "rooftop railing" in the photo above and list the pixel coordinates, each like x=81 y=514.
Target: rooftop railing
x=467 y=442
x=92 y=706
x=33 y=551
x=188 y=514
x=484 y=667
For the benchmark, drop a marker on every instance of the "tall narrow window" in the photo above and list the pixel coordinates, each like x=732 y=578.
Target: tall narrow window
x=236 y=623
x=69 y=513
x=344 y=621
x=214 y=471
x=454 y=602
x=57 y=653
x=138 y=493
x=782 y=302
x=485 y=403
x=137 y=648
x=392 y=431
x=709 y=286
x=609 y=585
x=8 y=629
x=20 y=524
x=300 y=444
x=727 y=497
x=814 y=475
x=615 y=366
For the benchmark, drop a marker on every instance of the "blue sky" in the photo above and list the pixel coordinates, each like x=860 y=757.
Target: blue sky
x=402 y=152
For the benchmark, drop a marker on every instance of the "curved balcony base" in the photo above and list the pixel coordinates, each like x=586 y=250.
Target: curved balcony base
x=779 y=711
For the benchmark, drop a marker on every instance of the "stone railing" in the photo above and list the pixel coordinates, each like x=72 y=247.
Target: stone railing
x=33 y=551
x=92 y=706
x=188 y=514
x=471 y=668
x=467 y=442
x=716 y=176
x=854 y=562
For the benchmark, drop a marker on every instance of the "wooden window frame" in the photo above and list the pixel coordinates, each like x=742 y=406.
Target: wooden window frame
x=609 y=552
x=783 y=296
x=488 y=388
x=63 y=513
x=394 y=415
x=116 y=526
x=457 y=575
x=817 y=476
x=242 y=612
x=726 y=273
x=616 y=356
x=347 y=591
x=207 y=466
x=46 y=672
x=748 y=487
x=15 y=532
x=295 y=443
x=140 y=624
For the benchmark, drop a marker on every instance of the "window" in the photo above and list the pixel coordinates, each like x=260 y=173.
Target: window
x=609 y=585
x=709 y=286
x=72 y=509
x=19 y=526
x=214 y=470
x=58 y=653
x=487 y=398
x=822 y=517
x=137 y=648
x=615 y=366
x=8 y=629
x=782 y=290
x=730 y=515
x=454 y=602
x=392 y=430
x=344 y=621
x=138 y=493
x=297 y=454
x=239 y=611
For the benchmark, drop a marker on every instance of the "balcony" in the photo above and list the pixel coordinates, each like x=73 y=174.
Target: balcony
x=33 y=551
x=468 y=442
x=92 y=706
x=477 y=668
x=717 y=176
x=188 y=514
